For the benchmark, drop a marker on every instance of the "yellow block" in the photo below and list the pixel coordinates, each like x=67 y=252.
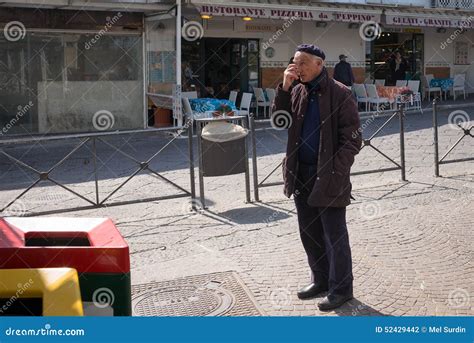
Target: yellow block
x=58 y=287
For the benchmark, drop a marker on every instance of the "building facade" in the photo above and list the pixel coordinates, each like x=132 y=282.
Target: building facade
x=73 y=66
x=99 y=65
x=434 y=40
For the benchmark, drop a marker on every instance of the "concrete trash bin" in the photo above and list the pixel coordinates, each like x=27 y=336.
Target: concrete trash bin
x=223 y=149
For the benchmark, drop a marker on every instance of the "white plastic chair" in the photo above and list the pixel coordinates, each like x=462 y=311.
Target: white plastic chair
x=459 y=85
x=233 y=96
x=428 y=89
x=414 y=86
x=380 y=82
x=374 y=97
x=401 y=83
x=188 y=111
x=190 y=95
x=271 y=94
x=244 y=108
x=261 y=100
x=361 y=94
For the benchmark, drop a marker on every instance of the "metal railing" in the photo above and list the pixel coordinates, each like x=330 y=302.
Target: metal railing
x=466 y=132
x=456 y=4
x=400 y=113
x=92 y=139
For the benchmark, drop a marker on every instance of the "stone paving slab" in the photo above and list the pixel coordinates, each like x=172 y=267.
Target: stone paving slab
x=411 y=241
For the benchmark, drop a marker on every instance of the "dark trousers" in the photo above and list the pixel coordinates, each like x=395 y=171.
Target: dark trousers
x=324 y=236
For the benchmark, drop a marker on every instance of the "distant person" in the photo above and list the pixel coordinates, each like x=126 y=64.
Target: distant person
x=398 y=67
x=343 y=71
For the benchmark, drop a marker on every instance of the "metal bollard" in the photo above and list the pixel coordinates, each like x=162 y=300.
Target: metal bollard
x=401 y=113
x=435 y=136
x=254 y=157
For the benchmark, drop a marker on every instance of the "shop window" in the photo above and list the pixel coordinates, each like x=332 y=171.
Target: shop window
x=56 y=82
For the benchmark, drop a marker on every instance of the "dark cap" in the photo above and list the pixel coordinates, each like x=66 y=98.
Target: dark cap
x=342 y=56
x=311 y=49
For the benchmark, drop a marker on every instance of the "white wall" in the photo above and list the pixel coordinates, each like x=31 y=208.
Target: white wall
x=161 y=37
x=436 y=55
x=283 y=42
x=336 y=39
x=72 y=108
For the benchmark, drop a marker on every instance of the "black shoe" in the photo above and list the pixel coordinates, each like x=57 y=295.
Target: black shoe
x=331 y=302
x=311 y=291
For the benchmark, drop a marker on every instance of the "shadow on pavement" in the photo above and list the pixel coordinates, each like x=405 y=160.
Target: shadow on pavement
x=357 y=308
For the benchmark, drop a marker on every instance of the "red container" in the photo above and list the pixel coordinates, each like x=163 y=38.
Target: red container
x=90 y=245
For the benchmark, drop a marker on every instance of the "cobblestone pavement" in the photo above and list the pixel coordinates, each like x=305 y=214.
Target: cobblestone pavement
x=411 y=241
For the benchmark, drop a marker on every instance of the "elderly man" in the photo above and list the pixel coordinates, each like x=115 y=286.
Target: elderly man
x=323 y=139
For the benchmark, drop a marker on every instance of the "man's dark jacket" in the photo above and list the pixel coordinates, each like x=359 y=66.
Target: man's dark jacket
x=340 y=140
x=343 y=73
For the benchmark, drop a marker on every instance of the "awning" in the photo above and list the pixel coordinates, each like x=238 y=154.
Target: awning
x=93 y=5
x=429 y=18
x=269 y=10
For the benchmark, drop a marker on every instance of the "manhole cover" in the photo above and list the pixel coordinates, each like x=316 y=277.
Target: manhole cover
x=217 y=294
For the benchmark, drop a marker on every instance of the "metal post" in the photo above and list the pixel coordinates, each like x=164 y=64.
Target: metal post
x=435 y=136
x=177 y=100
x=254 y=157
x=96 y=176
x=191 y=164
x=401 y=113
x=201 y=175
x=246 y=157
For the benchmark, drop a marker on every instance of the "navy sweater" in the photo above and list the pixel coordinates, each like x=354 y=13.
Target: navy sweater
x=309 y=140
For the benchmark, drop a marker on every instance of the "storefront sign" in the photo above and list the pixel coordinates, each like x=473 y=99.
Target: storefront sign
x=412 y=30
x=233 y=11
x=430 y=22
x=260 y=28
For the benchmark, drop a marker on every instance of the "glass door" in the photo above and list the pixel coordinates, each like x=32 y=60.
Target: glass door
x=235 y=66
x=413 y=46
x=253 y=64
x=418 y=56
x=245 y=65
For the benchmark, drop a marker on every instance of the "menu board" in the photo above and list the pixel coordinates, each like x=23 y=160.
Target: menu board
x=461 y=53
